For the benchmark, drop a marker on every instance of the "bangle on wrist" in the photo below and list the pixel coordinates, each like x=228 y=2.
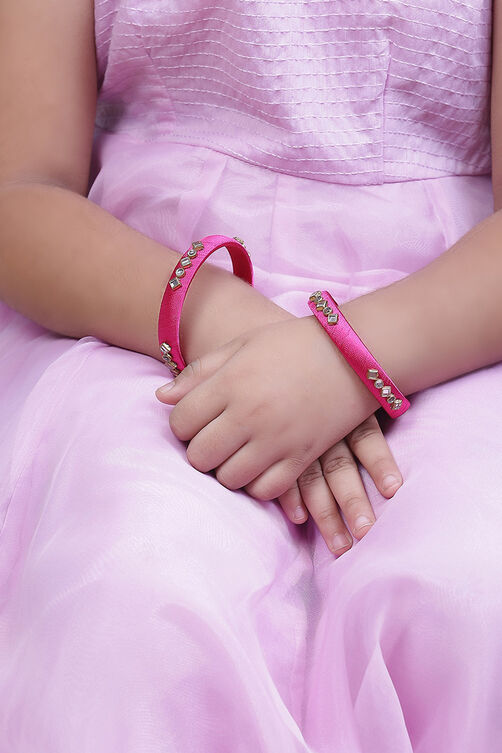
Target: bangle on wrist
x=328 y=314
x=177 y=287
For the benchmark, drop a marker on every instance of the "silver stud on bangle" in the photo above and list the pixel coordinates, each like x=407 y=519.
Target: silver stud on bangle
x=385 y=391
x=321 y=303
x=315 y=296
x=379 y=383
x=192 y=253
x=327 y=310
x=174 y=283
x=185 y=262
x=391 y=398
x=180 y=272
x=397 y=403
x=372 y=373
x=197 y=245
x=332 y=318
x=239 y=240
x=166 y=351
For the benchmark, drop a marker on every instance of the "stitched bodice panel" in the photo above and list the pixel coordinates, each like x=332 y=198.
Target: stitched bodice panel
x=344 y=91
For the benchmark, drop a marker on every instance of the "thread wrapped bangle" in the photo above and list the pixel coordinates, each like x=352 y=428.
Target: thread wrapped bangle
x=177 y=287
x=328 y=314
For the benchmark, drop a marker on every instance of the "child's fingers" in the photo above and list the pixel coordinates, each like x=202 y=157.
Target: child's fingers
x=195 y=410
x=319 y=500
x=276 y=477
x=313 y=493
x=244 y=467
x=196 y=372
x=342 y=475
x=216 y=442
x=369 y=445
x=292 y=504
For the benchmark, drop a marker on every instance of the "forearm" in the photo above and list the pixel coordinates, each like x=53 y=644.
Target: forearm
x=444 y=319
x=74 y=268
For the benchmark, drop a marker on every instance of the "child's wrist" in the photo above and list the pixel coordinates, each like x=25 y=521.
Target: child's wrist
x=383 y=333
x=219 y=307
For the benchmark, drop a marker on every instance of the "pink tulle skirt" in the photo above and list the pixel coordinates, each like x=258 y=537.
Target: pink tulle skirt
x=144 y=608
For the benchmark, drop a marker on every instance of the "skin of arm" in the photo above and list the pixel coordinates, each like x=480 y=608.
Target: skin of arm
x=65 y=262
x=445 y=318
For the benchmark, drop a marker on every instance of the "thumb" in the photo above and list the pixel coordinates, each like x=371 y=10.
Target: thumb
x=196 y=371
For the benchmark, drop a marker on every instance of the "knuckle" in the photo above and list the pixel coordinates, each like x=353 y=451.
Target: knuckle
x=195 y=458
x=362 y=433
x=327 y=515
x=199 y=457
x=227 y=478
x=266 y=489
x=262 y=490
x=350 y=502
x=310 y=475
x=298 y=463
x=337 y=463
x=380 y=466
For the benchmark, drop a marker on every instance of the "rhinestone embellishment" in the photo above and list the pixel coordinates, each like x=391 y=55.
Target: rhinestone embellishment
x=385 y=389
x=185 y=262
x=165 y=350
x=239 y=240
x=322 y=305
x=197 y=245
x=372 y=374
x=175 y=283
x=192 y=253
x=179 y=272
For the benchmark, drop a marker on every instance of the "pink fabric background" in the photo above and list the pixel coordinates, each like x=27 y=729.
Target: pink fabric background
x=143 y=607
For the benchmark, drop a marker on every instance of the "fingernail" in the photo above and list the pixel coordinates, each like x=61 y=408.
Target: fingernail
x=362 y=521
x=340 y=540
x=161 y=391
x=390 y=482
x=299 y=513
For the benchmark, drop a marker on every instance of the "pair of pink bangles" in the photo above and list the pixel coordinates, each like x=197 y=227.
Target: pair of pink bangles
x=321 y=303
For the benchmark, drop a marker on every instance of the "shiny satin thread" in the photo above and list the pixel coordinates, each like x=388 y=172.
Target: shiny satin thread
x=179 y=282
x=350 y=345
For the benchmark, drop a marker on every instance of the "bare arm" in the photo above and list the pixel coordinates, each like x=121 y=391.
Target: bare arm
x=445 y=319
x=65 y=262
x=496 y=118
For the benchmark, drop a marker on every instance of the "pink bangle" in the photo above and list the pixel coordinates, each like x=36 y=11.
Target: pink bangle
x=179 y=282
x=327 y=312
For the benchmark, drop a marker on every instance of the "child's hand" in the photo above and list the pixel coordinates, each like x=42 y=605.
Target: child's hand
x=333 y=483
x=263 y=407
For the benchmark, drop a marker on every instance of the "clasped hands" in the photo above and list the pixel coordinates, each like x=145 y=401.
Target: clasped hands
x=279 y=412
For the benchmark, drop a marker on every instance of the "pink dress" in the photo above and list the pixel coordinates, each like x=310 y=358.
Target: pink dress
x=144 y=608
